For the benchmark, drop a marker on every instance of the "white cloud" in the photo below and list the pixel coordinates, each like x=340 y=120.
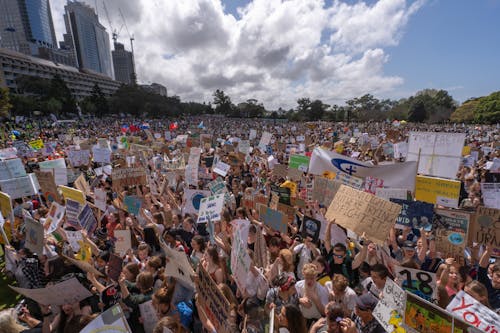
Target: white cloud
x=275 y=50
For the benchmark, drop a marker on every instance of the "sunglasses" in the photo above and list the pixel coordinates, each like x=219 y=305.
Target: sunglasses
x=339 y=256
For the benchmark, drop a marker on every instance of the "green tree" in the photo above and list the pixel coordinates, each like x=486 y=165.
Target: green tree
x=99 y=100
x=5 y=104
x=317 y=110
x=488 y=109
x=60 y=91
x=465 y=112
x=251 y=109
x=222 y=102
x=417 y=112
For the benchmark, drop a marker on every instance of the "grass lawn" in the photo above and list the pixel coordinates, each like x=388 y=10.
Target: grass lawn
x=8 y=298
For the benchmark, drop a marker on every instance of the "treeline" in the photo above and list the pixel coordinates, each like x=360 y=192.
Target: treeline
x=430 y=105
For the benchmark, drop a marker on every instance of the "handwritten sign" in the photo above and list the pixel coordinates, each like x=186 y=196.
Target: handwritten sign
x=34 y=235
x=128 y=177
x=112 y=320
x=451 y=233
x=211 y=208
x=486 y=227
x=420 y=283
x=363 y=212
x=390 y=309
x=468 y=309
x=123 y=241
x=444 y=192
x=275 y=220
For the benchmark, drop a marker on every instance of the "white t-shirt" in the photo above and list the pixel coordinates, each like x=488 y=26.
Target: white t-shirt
x=312 y=312
x=347 y=301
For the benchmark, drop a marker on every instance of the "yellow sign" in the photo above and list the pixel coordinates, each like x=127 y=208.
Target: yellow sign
x=444 y=192
x=36 y=144
x=466 y=151
x=5 y=204
x=73 y=194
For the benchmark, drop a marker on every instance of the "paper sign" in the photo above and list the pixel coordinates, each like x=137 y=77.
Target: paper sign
x=148 y=315
x=275 y=220
x=73 y=194
x=54 y=218
x=299 y=162
x=468 y=309
x=79 y=157
x=451 y=233
x=20 y=187
x=123 y=241
x=324 y=190
x=391 y=193
x=74 y=239
x=101 y=155
x=177 y=265
x=240 y=260
x=112 y=320
x=100 y=199
x=211 y=208
x=13 y=168
x=311 y=228
x=491 y=194
x=132 y=204
x=414 y=214
x=192 y=200
x=390 y=308
x=422 y=316
x=34 y=235
x=87 y=219
x=420 y=283
x=221 y=168
x=362 y=212
x=66 y=292
x=72 y=211
x=5 y=204
x=437 y=191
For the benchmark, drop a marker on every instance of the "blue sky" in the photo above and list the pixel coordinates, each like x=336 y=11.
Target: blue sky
x=278 y=51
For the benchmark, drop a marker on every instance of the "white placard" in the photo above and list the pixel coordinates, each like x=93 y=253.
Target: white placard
x=123 y=241
x=12 y=168
x=20 y=187
x=100 y=199
x=491 y=194
x=178 y=265
x=148 y=315
x=222 y=168
x=101 y=155
x=211 y=208
x=394 y=193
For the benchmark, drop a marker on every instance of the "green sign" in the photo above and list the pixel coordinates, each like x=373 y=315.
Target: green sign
x=299 y=162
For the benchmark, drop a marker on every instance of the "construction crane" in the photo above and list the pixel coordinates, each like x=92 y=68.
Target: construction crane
x=128 y=32
x=114 y=32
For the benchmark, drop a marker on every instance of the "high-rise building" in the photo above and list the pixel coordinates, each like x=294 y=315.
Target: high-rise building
x=123 y=63
x=87 y=38
x=26 y=26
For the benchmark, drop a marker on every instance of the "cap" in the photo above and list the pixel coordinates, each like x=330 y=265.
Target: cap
x=408 y=245
x=102 y=234
x=366 y=302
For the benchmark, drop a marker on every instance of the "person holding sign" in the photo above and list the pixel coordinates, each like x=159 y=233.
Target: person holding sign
x=492 y=284
x=363 y=317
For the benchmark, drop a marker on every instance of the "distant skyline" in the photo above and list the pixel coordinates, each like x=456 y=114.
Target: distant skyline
x=278 y=51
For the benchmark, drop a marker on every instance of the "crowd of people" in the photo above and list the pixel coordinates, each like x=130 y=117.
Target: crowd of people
x=306 y=284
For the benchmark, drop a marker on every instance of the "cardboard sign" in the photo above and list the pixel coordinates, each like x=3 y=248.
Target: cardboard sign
x=451 y=233
x=111 y=320
x=48 y=185
x=128 y=177
x=414 y=214
x=486 y=227
x=468 y=309
x=54 y=218
x=123 y=241
x=439 y=191
x=213 y=302
x=58 y=168
x=5 y=204
x=115 y=265
x=275 y=220
x=192 y=200
x=34 y=235
x=211 y=208
x=362 y=212
x=73 y=194
x=280 y=170
x=20 y=187
x=13 y=168
x=439 y=154
x=79 y=157
x=299 y=162
x=325 y=190
x=66 y=292
x=87 y=219
x=222 y=168
x=82 y=185
x=420 y=283
x=132 y=204
x=390 y=308
x=177 y=265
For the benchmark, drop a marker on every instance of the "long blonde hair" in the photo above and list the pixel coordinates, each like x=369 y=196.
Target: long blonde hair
x=8 y=322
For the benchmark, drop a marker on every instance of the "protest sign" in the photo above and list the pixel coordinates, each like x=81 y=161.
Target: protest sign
x=324 y=190
x=34 y=235
x=132 y=204
x=425 y=317
x=362 y=212
x=265 y=140
x=288 y=211
x=178 y=265
x=192 y=200
x=79 y=157
x=100 y=199
x=54 y=218
x=414 y=214
x=123 y=241
x=279 y=170
x=191 y=174
x=300 y=162
x=74 y=239
x=20 y=187
x=252 y=135
x=5 y=204
x=72 y=211
x=217 y=186
x=372 y=183
x=391 y=307
x=112 y=320
x=275 y=220
x=351 y=181
x=222 y=168
x=400 y=150
x=283 y=193
x=36 y=144
x=491 y=194
x=391 y=193
x=12 y=168
x=400 y=175
x=148 y=315
x=128 y=177
x=438 y=153
x=115 y=265
x=87 y=219
x=8 y=153
x=213 y=302
x=58 y=168
x=73 y=194
x=240 y=260
x=211 y=208
x=48 y=185
x=311 y=228
x=67 y=292
x=451 y=233
x=468 y=309
x=101 y=155
x=486 y=227
x=438 y=191
x=82 y=185
x=421 y=283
